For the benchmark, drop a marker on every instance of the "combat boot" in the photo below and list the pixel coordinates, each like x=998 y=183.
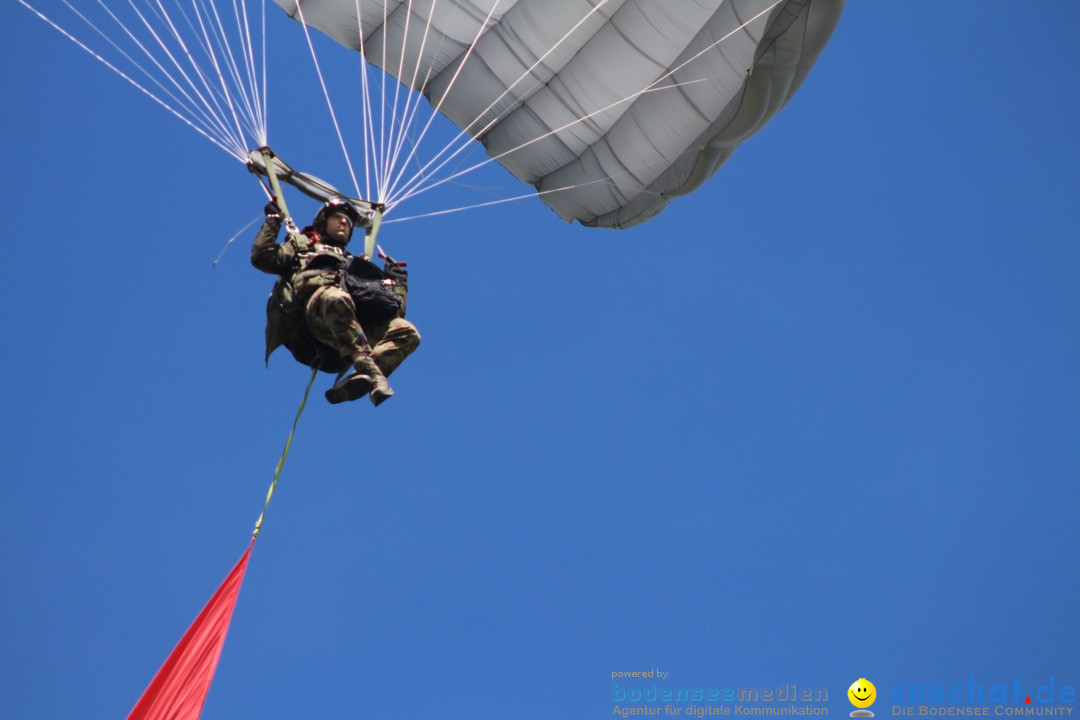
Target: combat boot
x=380 y=389
x=351 y=387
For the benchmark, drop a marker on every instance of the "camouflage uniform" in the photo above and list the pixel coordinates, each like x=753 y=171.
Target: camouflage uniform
x=309 y=303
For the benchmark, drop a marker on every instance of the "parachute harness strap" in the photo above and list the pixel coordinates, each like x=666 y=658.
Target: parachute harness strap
x=275 y=188
x=284 y=454
x=373 y=234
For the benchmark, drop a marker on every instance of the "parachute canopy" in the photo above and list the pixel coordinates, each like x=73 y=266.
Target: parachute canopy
x=610 y=108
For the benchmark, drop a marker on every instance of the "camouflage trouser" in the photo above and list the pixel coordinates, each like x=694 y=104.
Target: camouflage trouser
x=331 y=319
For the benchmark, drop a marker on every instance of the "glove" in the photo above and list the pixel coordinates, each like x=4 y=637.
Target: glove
x=396 y=271
x=272 y=210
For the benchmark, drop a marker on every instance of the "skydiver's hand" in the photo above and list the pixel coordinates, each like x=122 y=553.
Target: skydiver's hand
x=272 y=210
x=396 y=271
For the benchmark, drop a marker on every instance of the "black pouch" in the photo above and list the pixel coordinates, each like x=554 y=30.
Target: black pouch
x=375 y=299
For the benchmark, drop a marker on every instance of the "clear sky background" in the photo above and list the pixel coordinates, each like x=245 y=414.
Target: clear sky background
x=817 y=421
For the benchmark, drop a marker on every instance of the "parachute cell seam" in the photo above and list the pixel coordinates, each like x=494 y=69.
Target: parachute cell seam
x=532 y=91
x=689 y=98
x=412 y=155
x=551 y=95
x=599 y=131
x=414 y=191
x=557 y=174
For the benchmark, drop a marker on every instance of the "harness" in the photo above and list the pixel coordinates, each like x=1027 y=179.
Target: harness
x=371 y=290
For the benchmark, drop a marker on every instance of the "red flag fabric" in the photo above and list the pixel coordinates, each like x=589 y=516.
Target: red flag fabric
x=179 y=689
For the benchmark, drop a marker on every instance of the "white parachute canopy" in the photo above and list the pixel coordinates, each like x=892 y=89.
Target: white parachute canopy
x=610 y=108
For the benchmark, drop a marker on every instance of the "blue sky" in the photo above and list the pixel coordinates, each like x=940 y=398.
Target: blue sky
x=816 y=422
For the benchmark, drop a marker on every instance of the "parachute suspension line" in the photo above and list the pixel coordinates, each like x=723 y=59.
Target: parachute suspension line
x=211 y=104
x=219 y=112
x=740 y=28
x=284 y=454
x=382 y=144
x=265 y=123
x=326 y=94
x=368 y=129
x=380 y=189
x=467 y=134
x=391 y=128
x=422 y=174
x=208 y=48
x=246 y=83
x=190 y=120
x=465 y=208
x=376 y=113
x=200 y=109
x=495 y=158
x=412 y=96
x=397 y=127
x=210 y=120
x=257 y=100
x=652 y=87
x=415 y=144
x=245 y=88
x=527 y=196
x=246 y=80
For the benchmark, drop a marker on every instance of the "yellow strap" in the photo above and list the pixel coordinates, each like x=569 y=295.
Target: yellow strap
x=284 y=454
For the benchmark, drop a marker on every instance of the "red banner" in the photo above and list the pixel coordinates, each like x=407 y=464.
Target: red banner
x=179 y=689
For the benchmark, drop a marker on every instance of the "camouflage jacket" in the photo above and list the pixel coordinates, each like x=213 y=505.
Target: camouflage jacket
x=303 y=263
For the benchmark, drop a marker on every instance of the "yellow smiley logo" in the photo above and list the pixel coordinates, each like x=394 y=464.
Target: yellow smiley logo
x=862 y=693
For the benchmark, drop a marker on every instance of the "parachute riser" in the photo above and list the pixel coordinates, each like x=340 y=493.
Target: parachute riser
x=373 y=233
x=263 y=161
x=275 y=188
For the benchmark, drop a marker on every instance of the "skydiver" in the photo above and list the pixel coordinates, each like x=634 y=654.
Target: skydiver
x=332 y=309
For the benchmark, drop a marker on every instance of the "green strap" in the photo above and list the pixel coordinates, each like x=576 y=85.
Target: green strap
x=369 y=240
x=284 y=454
x=275 y=186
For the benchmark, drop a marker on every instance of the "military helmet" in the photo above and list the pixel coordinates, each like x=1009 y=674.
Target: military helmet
x=334 y=206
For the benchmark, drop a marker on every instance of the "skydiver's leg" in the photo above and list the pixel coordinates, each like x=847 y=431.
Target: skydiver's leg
x=396 y=342
x=331 y=319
